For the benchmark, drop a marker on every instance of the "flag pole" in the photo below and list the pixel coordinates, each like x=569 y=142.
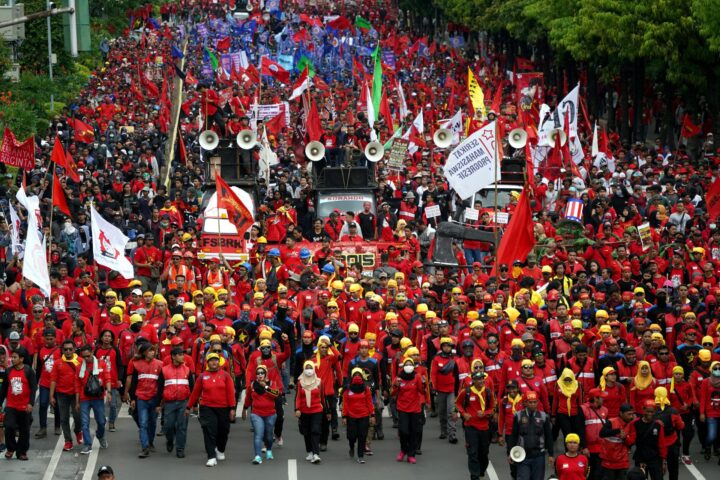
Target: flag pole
x=52 y=206
x=217 y=206
x=498 y=144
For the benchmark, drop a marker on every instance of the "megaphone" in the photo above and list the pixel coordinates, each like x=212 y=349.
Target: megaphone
x=517 y=138
x=246 y=139
x=314 y=151
x=517 y=454
x=374 y=151
x=442 y=138
x=209 y=140
x=554 y=134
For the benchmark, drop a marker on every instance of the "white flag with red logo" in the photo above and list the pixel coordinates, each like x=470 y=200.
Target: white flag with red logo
x=301 y=84
x=109 y=245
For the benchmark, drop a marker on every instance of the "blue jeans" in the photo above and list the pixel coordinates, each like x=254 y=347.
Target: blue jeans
x=532 y=468
x=98 y=408
x=263 y=431
x=114 y=406
x=44 y=401
x=712 y=431
x=147 y=420
x=176 y=423
x=473 y=255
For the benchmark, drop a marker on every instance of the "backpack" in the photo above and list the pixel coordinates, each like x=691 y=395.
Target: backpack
x=93 y=387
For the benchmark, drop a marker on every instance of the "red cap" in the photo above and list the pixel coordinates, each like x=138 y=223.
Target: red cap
x=596 y=392
x=627 y=296
x=649 y=403
x=477 y=264
x=268 y=315
x=530 y=395
x=417 y=263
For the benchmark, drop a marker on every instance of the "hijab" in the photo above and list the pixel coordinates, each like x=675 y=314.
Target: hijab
x=568 y=388
x=309 y=383
x=643 y=381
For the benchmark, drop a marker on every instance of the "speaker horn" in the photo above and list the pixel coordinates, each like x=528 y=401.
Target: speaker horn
x=314 y=151
x=374 y=151
x=442 y=138
x=246 y=139
x=517 y=138
x=517 y=454
x=209 y=140
x=554 y=134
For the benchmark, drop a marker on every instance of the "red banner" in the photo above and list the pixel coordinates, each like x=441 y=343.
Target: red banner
x=21 y=155
x=712 y=200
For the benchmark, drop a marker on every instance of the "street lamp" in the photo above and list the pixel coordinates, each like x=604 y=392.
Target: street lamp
x=50 y=6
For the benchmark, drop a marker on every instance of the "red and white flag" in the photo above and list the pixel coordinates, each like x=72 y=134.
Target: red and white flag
x=301 y=84
x=274 y=69
x=574 y=210
x=109 y=245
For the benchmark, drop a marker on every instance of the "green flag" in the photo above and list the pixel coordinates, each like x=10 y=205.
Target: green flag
x=377 y=79
x=362 y=23
x=306 y=62
x=390 y=141
x=213 y=59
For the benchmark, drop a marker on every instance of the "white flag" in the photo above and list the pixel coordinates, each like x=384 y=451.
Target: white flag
x=569 y=104
x=419 y=125
x=35 y=265
x=454 y=124
x=15 y=231
x=595 y=148
x=472 y=165
x=371 y=114
x=403 y=104
x=109 y=245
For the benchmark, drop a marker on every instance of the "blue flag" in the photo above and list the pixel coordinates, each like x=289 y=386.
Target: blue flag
x=175 y=52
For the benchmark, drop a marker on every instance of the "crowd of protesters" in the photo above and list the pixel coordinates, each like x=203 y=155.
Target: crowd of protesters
x=602 y=336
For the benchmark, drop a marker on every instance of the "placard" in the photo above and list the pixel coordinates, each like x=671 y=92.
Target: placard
x=501 y=217
x=398 y=151
x=432 y=211
x=645 y=235
x=471 y=214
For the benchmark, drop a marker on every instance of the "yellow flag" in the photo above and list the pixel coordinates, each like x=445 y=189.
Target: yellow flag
x=476 y=94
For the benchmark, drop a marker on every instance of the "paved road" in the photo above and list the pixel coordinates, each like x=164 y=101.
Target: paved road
x=440 y=460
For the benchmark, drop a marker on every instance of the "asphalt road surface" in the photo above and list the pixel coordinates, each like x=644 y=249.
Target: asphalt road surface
x=440 y=460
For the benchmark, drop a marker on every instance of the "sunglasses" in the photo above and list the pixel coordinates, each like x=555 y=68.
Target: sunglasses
x=527 y=367
x=68 y=349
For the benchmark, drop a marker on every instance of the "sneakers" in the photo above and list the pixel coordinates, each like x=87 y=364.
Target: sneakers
x=9 y=454
x=23 y=457
x=279 y=441
x=257 y=460
x=169 y=445
x=42 y=433
x=309 y=456
x=315 y=458
x=686 y=459
x=263 y=450
x=360 y=460
x=58 y=431
x=212 y=462
x=443 y=436
x=453 y=440
x=67 y=447
x=152 y=448
x=103 y=443
x=351 y=452
x=219 y=455
x=180 y=454
x=269 y=455
x=323 y=447
x=335 y=434
x=400 y=457
x=79 y=437
x=144 y=453
x=368 y=450
x=412 y=460
x=86 y=450
x=111 y=427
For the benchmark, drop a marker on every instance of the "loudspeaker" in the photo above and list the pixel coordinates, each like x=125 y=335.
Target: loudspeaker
x=355 y=177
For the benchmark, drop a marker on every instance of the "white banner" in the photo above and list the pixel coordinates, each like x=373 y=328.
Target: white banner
x=264 y=112
x=471 y=165
x=471 y=213
x=35 y=264
x=15 y=244
x=455 y=125
x=109 y=245
x=569 y=104
x=432 y=211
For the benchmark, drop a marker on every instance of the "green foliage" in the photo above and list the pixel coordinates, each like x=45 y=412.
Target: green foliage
x=33 y=53
x=707 y=15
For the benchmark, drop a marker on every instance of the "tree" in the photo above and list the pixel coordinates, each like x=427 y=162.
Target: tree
x=33 y=54
x=707 y=17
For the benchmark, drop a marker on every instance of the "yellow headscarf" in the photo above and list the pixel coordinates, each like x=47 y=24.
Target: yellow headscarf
x=475 y=362
x=568 y=388
x=661 y=397
x=641 y=382
x=676 y=369
x=603 y=380
x=322 y=339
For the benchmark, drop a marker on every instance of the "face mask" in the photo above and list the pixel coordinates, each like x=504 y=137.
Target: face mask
x=309 y=372
x=135 y=327
x=357 y=380
x=265 y=351
x=516 y=354
x=408 y=369
x=716 y=373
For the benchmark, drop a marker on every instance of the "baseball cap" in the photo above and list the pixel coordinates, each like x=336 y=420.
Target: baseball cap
x=14 y=336
x=105 y=470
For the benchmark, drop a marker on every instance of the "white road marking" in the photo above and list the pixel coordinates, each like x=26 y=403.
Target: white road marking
x=92 y=461
x=54 y=459
x=695 y=472
x=492 y=474
x=292 y=469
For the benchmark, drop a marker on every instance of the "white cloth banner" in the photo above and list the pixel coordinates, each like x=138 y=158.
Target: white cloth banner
x=35 y=265
x=16 y=244
x=263 y=112
x=471 y=165
x=569 y=104
x=109 y=245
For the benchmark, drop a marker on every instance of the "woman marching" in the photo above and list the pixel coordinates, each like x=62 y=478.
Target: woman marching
x=358 y=412
x=261 y=395
x=216 y=391
x=309 y=408
x=411 y=393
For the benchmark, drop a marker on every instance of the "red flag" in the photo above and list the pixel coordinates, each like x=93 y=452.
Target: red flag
x=58 y=197
x=136 y=91
x=21 y=155
x=313 y=124
x=712 y=200
x=83 y=132
x=604 y=143
x=497 y=98
x=301 y=35
x=529 y=165
x=451 y=100
x=150 y=86
x=237 y=212
x=223 y=44
x=320 y=83
x=274 y=69
x=689 y=129
x=340 y=23
x=190 y=79
x=524 y=64
x=385 y=111
x=275 y=124
x=518 y=239
x=64 y=160
x=182 y=151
